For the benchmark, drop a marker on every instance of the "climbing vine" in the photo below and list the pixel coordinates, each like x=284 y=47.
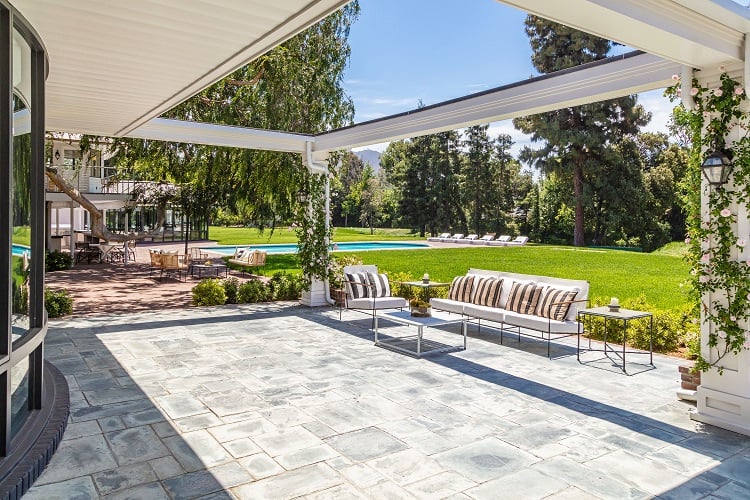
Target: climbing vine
x=720 y=282
x=313 y=235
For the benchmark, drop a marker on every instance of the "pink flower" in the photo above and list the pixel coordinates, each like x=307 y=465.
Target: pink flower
x=725 y=213
x=693 y=91
x=741 y=243
x=738 y=90
x=748 y=296
x=688 y=240
x=675 y=77
x=718 y=92
x=706 y=114
x=679 y=92
x=733 y=318
x=703 y=278
x=748 y=262
x=722 y=68
x=705 y=258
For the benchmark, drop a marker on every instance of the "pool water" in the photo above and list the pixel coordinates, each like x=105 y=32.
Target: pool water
x=341 y=247
x=18 y=250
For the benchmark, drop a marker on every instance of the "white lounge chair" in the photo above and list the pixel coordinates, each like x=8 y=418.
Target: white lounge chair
x=440 y=237
x=470 y=238
x=455 y=237
x=501 y=241
x=484 y=239
x=520 y=240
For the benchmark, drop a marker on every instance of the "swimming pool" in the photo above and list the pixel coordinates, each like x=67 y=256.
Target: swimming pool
x=340 y=247
x=18 y=250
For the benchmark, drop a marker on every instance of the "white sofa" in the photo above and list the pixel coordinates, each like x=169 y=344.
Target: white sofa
x=371 y=294
x=554 y=314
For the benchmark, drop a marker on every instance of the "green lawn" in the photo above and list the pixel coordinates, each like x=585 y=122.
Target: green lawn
x=611 y=273
x=22 y=235
x=249 y=236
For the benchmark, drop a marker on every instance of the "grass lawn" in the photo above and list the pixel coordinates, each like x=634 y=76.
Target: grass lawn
x=611 y=273
x=249 y=236
x=22 y=235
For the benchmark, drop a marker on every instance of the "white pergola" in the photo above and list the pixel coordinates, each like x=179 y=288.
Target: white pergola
x=115 y=67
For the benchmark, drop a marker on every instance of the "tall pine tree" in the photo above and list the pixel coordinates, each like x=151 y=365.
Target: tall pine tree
x=575 y=139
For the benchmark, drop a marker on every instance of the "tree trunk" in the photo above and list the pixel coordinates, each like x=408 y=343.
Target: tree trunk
x=98 y=229
x=578 y=237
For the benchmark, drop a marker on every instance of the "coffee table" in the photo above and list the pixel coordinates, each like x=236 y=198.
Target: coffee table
x=207 y=268
x=417 y=345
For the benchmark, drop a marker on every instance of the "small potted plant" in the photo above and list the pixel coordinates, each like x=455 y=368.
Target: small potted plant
x=420 y=308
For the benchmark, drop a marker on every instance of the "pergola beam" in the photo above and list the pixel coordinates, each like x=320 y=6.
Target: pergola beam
x=162 y=129
x=610 y=78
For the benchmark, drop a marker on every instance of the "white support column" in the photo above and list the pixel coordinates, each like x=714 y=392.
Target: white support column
x=319 y=293
x=724 y=400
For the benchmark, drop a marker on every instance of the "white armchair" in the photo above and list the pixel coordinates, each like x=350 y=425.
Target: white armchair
x=368 y=291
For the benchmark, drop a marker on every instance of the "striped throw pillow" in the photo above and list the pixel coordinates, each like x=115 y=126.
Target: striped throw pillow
x=523 y=298
x=551 y=296
x=380 y=286
x=461 y=288
x=358 y=285
x=487 y=292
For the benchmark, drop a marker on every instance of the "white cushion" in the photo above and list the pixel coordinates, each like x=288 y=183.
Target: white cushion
x=380 y=285
x=449 y=305
x=539 y=323
x=484 y=312
x=377 y=303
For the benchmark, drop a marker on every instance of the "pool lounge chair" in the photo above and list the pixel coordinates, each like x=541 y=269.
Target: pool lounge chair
x=470 y=238
x=484 y=239
x=455 y=237
x=501 y=241
x=520 y=240
x=440 y=237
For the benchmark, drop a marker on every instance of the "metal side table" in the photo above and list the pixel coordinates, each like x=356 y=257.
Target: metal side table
x=624 y=315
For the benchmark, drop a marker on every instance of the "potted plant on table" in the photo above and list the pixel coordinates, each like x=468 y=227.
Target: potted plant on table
x=420 y=308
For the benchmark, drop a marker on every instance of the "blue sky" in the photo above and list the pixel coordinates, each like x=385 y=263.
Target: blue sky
x=434 y=50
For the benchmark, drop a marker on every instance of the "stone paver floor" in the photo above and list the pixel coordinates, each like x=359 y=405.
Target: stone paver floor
x=281 y=401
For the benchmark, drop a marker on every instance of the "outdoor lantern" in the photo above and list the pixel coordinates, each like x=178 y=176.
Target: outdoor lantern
x=57 y=154
x=716 y=168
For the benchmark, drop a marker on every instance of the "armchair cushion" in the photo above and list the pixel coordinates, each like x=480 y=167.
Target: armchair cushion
x=358 y=285
x=380 y=285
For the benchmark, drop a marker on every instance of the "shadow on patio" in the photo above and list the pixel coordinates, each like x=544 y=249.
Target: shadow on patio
x=279 y=401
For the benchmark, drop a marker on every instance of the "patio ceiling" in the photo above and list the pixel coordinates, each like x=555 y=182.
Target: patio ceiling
x=114 y=65
x=115 y=73
x=697 y=33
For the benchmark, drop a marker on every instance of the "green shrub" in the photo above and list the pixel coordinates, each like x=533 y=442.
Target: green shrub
x=285 y=286
x=57 y=302
x=209 y=292
x=57 y=261
x=405 y=291
x=252 y=291
x=672 y=329
x=231 y=285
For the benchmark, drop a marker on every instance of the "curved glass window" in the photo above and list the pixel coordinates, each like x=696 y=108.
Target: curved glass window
x=20 y=182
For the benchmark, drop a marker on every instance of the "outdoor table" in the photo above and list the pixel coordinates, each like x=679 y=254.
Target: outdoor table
x=624 y=315
x=421 y=346
x=207 y=268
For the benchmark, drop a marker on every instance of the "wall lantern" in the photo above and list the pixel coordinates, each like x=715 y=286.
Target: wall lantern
x=716 y=168
x=57 y=155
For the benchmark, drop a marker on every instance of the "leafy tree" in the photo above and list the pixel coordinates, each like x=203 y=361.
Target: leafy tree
x=480 y=178
x=297 y=86
x=575 y=139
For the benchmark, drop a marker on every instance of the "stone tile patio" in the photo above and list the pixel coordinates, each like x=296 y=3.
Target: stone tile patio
x=281 y=401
